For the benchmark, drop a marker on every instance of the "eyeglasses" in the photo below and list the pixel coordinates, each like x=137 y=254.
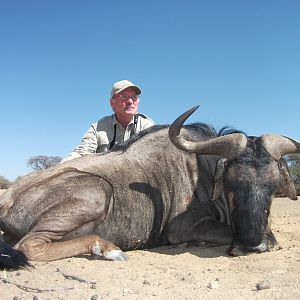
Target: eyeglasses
x=126 y=97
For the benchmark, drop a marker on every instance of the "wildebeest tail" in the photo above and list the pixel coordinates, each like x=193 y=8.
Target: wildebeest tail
x=10 y=258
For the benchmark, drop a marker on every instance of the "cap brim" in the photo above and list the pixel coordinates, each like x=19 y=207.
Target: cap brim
x=139 y=91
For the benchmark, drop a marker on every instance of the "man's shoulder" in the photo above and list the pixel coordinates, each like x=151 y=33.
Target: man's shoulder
x=105 y=119
x=143 y=122
x=144 y=117
x=103 y=123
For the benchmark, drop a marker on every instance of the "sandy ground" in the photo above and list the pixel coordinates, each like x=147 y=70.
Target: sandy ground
x=172 y=273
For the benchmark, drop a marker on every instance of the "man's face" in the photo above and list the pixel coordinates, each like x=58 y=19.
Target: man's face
x=125 y=104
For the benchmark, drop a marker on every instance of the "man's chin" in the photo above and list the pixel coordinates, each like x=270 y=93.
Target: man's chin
x=130 y=112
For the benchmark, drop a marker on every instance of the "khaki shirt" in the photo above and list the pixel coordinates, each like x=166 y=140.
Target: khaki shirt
x=101 y=134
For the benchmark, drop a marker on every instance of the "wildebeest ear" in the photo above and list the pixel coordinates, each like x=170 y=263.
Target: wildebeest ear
x=287 y=186
x=218 y=186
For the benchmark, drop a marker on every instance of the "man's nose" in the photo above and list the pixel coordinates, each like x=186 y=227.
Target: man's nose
x=130 y=100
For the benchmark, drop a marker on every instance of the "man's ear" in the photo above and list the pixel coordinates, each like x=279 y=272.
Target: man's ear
x=218 y=186
x=112 y=103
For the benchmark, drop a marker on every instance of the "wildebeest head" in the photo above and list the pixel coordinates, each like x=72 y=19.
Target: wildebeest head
x=249 y=172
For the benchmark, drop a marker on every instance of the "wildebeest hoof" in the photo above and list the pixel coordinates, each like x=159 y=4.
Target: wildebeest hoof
x=116 y=255
x=97 y=250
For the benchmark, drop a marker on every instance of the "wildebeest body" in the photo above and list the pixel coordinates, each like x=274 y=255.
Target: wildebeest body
x=147 y=193
x=127 y=197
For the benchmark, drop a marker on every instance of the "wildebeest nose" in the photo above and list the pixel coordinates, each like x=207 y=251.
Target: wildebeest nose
x=238 y=250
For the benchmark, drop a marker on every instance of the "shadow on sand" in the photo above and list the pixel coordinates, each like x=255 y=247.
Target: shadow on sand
x=204 y=251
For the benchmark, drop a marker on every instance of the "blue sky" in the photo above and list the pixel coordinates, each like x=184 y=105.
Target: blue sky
x=239 y=60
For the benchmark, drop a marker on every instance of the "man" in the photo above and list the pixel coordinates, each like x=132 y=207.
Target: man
x=118 y=127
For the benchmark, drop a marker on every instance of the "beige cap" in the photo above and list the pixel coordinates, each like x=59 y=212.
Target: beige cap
x=122 y=85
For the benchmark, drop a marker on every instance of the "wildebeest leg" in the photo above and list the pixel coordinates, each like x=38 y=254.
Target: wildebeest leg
x=192 y=226
x=39 y=246
x=65 y=228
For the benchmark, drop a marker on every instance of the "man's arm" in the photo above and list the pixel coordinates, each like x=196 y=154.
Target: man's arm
x=87 y=146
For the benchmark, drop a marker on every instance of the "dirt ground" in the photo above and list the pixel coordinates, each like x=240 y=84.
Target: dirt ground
x=172 y=273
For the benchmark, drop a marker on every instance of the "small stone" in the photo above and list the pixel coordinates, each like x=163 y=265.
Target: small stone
x=263 y=285
x=126 y=290
x=35 y=297
x=94 y=297
x=146 y=282
x=213 y=285
x=15 y=298
x=93 y=286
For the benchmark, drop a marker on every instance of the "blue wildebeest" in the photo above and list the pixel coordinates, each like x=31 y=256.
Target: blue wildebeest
x=196 y=185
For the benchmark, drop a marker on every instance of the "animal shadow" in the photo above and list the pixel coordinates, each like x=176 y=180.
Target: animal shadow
x=194 y=248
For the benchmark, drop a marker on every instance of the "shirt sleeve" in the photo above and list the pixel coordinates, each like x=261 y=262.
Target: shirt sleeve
x=87 y=146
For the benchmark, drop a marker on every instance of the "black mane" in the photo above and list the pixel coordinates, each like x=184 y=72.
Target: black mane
x=209 y=132
x=125 y=145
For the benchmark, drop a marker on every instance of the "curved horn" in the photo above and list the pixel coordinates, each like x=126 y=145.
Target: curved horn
x=228 y=146
x=278 y=145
